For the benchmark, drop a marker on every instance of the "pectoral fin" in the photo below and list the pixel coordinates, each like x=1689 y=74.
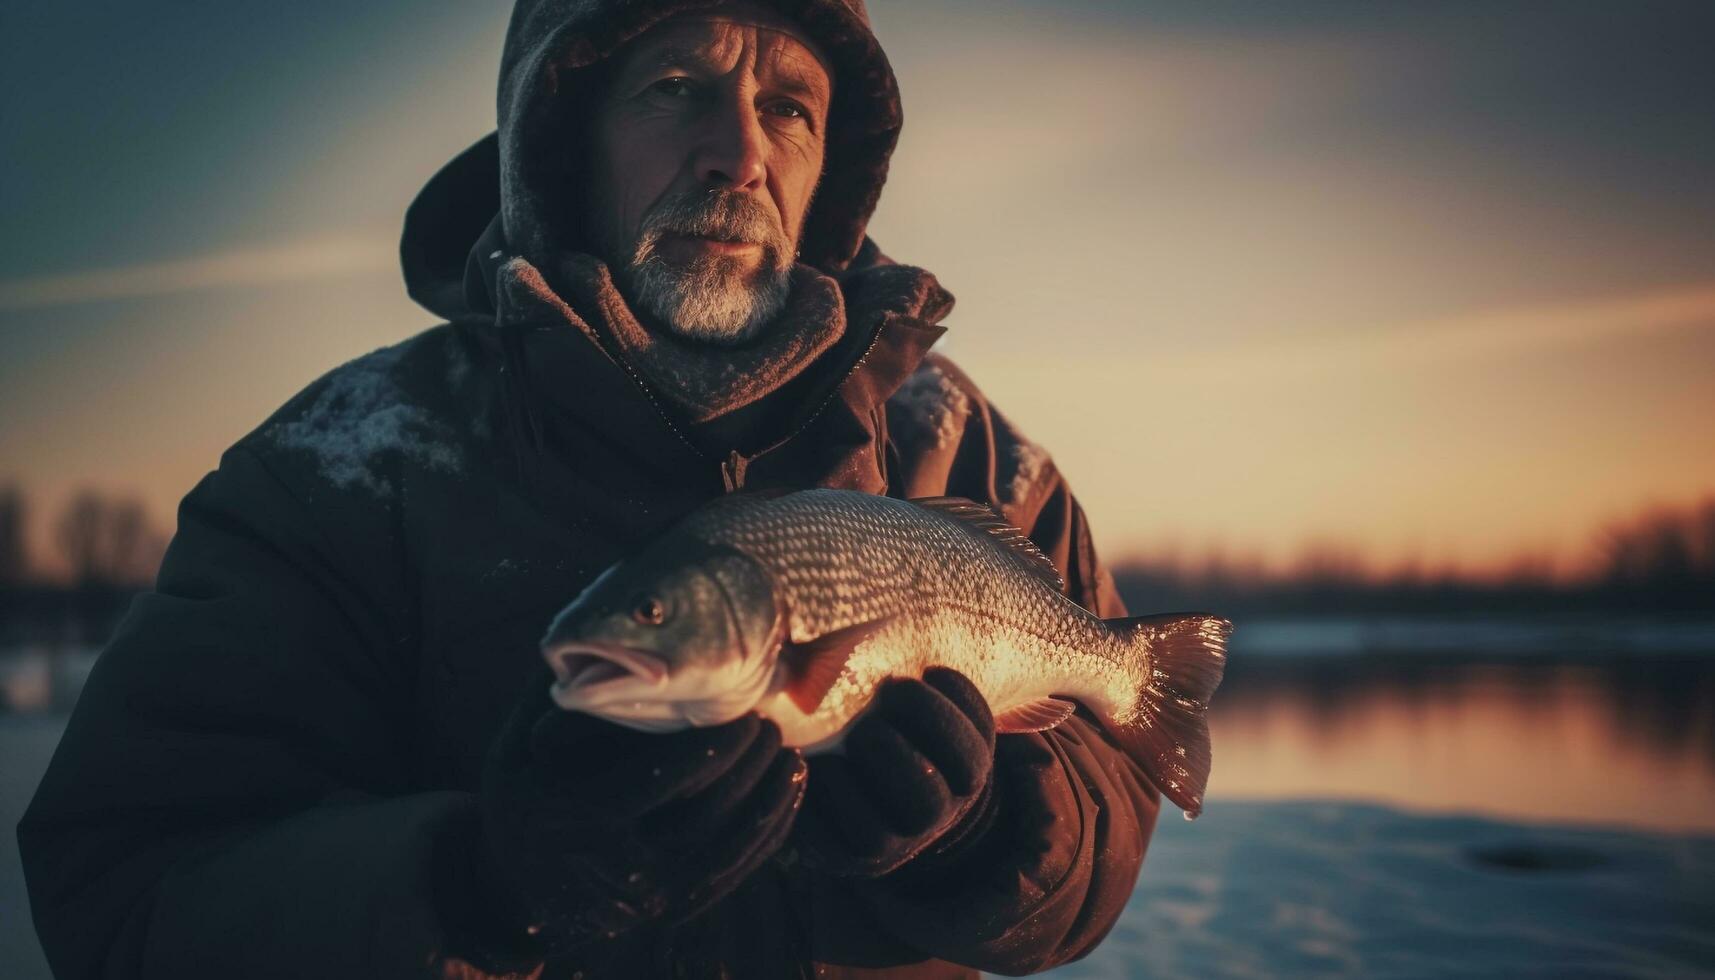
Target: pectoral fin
x=1034 y=716
x=813 y=666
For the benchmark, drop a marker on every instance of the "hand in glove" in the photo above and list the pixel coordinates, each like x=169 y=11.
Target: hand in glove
x=913 y=779
x=590 y=828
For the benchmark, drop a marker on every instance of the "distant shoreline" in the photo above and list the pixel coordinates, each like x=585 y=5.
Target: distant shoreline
x=1474 y=637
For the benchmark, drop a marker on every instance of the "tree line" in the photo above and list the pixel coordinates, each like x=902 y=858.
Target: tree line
x=1660 y=561
x=107 y=551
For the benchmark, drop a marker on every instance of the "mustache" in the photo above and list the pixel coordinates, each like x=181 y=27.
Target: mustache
x=720 y=214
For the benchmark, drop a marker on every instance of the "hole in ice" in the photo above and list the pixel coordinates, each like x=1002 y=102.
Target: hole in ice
x=1528 y=856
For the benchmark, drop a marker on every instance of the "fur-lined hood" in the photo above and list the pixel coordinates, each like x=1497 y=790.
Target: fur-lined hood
x=513 y=191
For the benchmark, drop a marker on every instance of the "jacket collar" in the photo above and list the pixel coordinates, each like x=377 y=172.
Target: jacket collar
x=821 y=427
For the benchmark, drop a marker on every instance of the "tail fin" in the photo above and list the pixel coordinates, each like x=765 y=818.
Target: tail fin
x=1185 y=654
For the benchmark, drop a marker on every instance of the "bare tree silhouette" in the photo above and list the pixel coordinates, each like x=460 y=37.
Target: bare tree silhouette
x=14 y=554
x=1660 y=560
x=107 y=542
x=1667 y=555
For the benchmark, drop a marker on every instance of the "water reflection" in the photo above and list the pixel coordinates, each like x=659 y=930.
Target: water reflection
x=1626 y=739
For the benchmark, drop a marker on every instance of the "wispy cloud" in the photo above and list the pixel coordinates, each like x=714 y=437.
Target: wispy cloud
x=311 y=259
x=1481 y=335
x=1534 y=328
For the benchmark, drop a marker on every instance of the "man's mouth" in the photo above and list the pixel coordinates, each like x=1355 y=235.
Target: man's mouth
x=712 y=243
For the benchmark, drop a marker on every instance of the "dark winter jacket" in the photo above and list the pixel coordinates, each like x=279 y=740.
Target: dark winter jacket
x=272 y=769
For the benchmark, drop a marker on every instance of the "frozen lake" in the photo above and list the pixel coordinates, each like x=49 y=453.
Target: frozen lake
x=26 y=744
x=1490 y=805
x=1625 y=740
x=1325 y=889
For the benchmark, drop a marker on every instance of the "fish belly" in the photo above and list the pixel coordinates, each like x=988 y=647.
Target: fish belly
x=1010 y=665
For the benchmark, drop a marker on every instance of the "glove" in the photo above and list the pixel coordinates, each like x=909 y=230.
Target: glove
x=589 y=828
x=914 y=780
x=1046 y=880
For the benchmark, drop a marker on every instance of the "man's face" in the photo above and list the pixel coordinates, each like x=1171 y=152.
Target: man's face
x=706 y=149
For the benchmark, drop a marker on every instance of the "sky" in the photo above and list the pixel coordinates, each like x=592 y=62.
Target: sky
x=1431 y=282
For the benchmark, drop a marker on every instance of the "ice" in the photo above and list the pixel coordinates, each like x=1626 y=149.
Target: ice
x=1310 y=888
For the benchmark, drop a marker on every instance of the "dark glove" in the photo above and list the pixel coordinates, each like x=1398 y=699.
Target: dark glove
x=590 y=828
x=913 y=779
x=1050 y=875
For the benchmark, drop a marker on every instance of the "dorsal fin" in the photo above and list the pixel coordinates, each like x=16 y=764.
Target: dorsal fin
x=1023 y=550
x=742 y=498
x=753 y=496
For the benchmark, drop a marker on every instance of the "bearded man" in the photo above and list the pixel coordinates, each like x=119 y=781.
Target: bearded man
x=306 y=753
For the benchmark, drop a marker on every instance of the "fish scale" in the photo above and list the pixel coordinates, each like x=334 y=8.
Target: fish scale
x=859 y=588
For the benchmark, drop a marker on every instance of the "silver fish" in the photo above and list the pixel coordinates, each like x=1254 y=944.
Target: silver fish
x=796 y=605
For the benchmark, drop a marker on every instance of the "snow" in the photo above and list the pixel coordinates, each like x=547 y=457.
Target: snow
x=931 y=411
x=360 y=414
x=459 y=369
x=1309 y=888
x=504 y=569
x=932 y=408
x=26 y=744
x=1029 y=462
x=458 y=366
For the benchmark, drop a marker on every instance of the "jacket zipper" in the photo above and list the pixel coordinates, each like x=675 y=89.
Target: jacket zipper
x=649 y=396
x=734 y=465
x=742 y=463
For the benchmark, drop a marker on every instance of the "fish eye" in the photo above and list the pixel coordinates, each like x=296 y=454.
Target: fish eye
x=648 y=610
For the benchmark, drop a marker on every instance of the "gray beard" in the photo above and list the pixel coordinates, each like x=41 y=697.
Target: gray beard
x=710 y=301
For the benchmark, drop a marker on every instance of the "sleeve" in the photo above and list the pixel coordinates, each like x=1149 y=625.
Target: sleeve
x=230 y=797
x=1053 y=872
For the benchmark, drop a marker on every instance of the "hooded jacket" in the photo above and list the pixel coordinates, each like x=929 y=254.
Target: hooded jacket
x=272 y=769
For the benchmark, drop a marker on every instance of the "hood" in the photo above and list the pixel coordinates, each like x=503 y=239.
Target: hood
x=513 y=190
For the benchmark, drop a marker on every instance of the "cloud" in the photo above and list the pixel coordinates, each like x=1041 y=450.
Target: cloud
x=1530 y=329
x=1107 y=105
x=1483 y=335
x=311 y=259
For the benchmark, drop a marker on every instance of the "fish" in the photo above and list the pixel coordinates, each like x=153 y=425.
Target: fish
x=798 y=604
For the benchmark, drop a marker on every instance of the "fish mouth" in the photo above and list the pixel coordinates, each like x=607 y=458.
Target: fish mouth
x=584 y=669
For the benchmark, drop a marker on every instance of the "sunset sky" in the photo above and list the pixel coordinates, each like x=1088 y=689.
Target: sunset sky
x=1435 y=281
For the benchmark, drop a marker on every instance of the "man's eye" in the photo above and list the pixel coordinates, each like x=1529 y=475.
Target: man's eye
x=676 y=86
x=788 y=110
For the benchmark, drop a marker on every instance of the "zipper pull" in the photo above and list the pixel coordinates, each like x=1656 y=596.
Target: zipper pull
x=732 y=471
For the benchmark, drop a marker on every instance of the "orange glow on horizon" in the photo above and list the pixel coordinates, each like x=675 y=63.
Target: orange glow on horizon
x=1249 y=313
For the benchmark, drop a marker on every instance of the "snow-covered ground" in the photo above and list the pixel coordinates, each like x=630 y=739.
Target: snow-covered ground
x=1289 y=888
x=26 y=744
x=1323 y=889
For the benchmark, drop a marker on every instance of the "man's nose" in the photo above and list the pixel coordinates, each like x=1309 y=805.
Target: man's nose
x=733 y=152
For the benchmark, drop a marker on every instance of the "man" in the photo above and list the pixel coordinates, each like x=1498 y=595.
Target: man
x=306 y=752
